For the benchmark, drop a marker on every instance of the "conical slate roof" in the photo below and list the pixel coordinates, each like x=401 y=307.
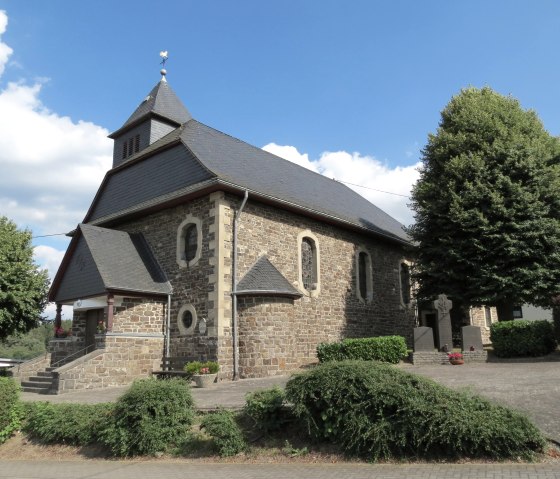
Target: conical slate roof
x=263 y=279
x=161 y=101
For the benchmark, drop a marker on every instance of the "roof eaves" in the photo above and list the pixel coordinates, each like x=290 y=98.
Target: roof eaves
x=271 y=292
x=160 y=200
x=135 y=123
x=315 y=213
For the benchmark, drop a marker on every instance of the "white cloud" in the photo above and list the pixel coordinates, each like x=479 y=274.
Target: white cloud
x=364 y=171
x=49 y=258
x=51 y=165
x=5 y=50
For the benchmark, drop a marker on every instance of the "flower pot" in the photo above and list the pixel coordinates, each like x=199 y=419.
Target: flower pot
x=457 y=362
x=204 y=380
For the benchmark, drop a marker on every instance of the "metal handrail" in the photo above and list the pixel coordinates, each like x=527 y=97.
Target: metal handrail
x=77 y=354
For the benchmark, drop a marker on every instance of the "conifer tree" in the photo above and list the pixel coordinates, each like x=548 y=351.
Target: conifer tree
x=487 y=205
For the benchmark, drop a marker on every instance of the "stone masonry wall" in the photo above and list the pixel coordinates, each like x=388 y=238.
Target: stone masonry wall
x=277 y=335
x=191 y=284
x=119 y=362
x=478 y=318
x=139 y=315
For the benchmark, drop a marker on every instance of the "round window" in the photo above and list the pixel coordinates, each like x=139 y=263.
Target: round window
x=187 y=319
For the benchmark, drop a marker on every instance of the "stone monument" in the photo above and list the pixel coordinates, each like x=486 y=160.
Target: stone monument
x=423 y=339
x=471 y=338
x=443 y=306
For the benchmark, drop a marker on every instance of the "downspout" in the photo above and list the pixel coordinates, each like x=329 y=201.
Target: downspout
x=168 y=326
x=234 y=290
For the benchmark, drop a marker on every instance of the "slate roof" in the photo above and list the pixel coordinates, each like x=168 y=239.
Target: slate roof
x=203 y=156
x=101 y=260
x=161 y=101
x=264 y=279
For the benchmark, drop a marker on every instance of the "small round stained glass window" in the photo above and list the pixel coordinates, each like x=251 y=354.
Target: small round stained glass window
x=187 y=319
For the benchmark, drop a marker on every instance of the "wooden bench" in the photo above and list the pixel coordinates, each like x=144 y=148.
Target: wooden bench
x=172 y=367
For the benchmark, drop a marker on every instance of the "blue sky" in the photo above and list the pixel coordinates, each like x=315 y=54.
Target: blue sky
x=348 y=88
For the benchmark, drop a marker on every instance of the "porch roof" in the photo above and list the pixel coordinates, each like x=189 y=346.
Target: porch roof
x=101 y=260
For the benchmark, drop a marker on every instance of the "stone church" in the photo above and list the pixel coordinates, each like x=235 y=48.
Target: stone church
x=200 y=246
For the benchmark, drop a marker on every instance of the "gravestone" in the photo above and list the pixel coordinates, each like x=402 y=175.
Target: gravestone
x=443 y=306
x=471 y=336
x=423 y=339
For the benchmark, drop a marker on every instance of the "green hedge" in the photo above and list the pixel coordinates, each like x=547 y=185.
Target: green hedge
x=150 y=417
x=522 y=338
x=378 y=411
x=10 y=408
x=76 y=424
x=226 y=433
x=387 y=349
x=267 y=409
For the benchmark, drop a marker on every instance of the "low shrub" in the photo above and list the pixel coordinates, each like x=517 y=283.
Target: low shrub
x=378 y=411
x=225 y=432
x=76 y=424
x=267 y=409
x=522 y=338
x=150 y=417
x=198 y=367
x=388 y=349
x=10 y=409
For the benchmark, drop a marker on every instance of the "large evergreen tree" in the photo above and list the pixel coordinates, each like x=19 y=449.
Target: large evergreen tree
x=487 y=205
x=23 y=287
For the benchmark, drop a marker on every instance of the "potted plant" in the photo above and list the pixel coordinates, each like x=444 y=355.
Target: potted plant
x=456 y=358
x=61 y=333
x=204 y=374
x=100 y=327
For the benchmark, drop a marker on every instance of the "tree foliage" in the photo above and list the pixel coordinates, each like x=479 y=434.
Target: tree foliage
x=487 y=204
x=23 y=286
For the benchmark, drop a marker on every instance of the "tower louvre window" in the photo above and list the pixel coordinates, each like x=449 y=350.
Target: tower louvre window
x=130 y=146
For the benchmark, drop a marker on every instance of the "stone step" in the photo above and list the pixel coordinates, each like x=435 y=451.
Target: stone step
x=49 y=369
x=37 y=390
x=40 y=379
x=45 y=374
x=35 y=385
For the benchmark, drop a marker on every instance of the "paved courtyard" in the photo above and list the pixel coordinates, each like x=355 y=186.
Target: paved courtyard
x=529 y=386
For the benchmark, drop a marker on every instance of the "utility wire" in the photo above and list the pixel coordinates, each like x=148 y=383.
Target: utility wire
x=369 y=188
x=54 y=234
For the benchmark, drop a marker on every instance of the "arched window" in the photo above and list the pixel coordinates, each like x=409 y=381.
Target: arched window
x=308 y=255
x=364 y=288
x=405 y=283
x=189 y=239
x=186 y=319
x=308 y=264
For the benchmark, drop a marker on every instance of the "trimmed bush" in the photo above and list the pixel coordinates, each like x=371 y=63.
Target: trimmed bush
x=226 y=433
x=387 y=349
x=377 y=411
x=267 y=409
x=10 y=409
x=150 y=417
x=522 y=338
x=76 y=424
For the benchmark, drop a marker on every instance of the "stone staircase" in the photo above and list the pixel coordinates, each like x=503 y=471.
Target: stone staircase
x=40 y=384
